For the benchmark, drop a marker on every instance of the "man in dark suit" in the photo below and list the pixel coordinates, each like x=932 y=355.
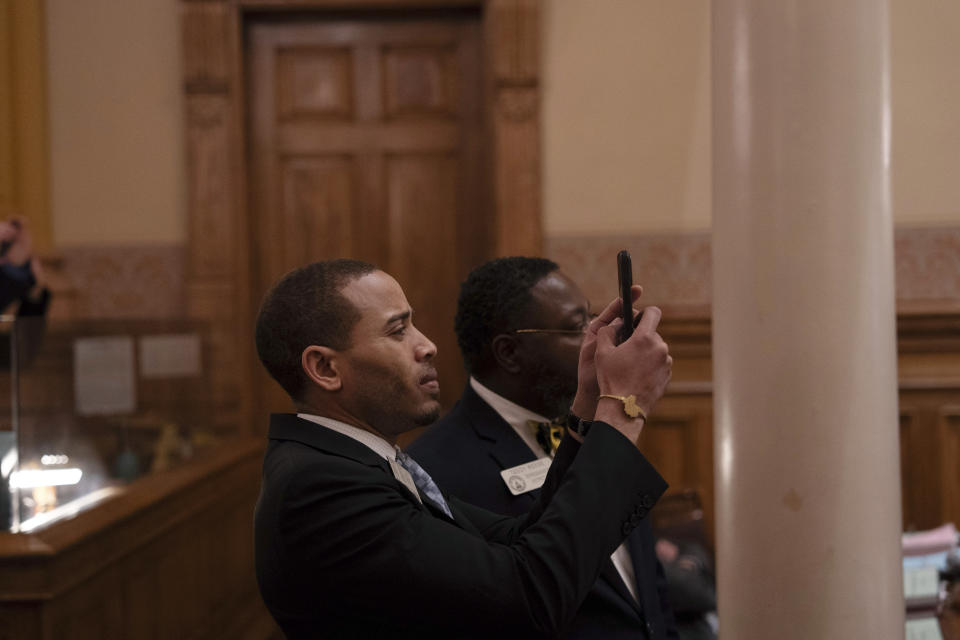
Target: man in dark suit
x=353 y=539
x=520 y=323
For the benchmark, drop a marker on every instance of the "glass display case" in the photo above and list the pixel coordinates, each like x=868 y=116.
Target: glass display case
x=87 y=407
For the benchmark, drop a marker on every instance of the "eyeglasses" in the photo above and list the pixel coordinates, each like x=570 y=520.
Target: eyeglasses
x=561 y=332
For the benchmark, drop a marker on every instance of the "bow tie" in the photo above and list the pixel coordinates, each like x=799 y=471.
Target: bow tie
x=548 y=435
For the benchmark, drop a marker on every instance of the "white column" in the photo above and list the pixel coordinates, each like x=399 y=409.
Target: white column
x=806 y=435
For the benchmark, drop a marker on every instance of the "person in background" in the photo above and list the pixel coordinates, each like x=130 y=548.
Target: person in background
x=691 y=586
x=21 y=275
x=520 y=325
x=23 y=291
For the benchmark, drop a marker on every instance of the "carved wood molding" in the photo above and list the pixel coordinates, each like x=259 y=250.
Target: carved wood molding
x=219 y=264
x=512 y=29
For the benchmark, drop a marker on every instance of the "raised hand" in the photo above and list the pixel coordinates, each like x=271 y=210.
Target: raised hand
x=588 y=391
x=640 y=367
x=17 y=241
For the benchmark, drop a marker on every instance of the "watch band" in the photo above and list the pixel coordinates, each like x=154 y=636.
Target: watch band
x=578 y=426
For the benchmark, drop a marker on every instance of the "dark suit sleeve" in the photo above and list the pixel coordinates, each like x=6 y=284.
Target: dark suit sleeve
x=348 y=538
x=505 y=529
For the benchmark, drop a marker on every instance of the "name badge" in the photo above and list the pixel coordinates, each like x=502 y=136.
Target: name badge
x=526 y=477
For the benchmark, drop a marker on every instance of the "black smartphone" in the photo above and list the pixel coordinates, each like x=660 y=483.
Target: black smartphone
x=625 y=278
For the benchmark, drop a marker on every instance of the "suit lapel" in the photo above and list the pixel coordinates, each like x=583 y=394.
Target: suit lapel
x=498 y=438
x=611 y=576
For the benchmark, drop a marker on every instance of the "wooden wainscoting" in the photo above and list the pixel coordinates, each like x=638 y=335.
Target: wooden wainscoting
x=679 y=439
x=172 y=557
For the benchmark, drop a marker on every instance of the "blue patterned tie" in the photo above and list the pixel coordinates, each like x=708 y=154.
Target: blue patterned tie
x=424 y=482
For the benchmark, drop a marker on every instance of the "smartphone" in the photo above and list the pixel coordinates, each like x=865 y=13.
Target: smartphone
x=625 y=278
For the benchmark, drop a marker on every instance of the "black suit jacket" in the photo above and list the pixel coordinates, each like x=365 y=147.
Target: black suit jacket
x=344 y=550
x=466 y=451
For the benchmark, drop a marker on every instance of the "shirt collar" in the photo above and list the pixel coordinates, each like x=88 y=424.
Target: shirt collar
x=380 y=446
x=512 y=413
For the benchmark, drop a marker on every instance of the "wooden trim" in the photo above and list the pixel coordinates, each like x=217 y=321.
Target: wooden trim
x=220 y=263
x=512 y=35
x=24 y=161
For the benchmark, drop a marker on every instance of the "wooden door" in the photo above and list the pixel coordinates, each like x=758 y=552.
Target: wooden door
x=366 y=142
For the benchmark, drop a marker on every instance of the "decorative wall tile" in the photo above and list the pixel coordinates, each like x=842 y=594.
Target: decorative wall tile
x=126 y=282
x=149 y=280
x=928 y=267
x=675 y=269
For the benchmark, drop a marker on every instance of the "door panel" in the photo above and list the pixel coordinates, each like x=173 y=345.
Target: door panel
x=366 y=142
x=318 y=207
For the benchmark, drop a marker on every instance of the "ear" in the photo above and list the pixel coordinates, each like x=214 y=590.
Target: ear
x=506 y=353
x=320 y=366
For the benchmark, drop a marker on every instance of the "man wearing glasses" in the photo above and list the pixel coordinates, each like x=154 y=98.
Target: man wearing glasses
x=519 y=324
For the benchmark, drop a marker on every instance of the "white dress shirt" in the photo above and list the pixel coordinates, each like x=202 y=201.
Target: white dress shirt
x=380 y=446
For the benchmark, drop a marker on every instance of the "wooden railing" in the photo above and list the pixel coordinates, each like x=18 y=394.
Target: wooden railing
x=170 y=557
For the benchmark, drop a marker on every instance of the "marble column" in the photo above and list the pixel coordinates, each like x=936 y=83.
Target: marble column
x=806 y=434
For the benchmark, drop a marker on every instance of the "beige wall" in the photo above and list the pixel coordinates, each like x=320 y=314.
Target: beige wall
x=626 y=118
x=925 y=96
x=626 y=112
x=627 y=115
x=116 y=122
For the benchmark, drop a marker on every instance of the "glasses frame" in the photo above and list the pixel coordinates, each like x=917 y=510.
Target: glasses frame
x=563 y=332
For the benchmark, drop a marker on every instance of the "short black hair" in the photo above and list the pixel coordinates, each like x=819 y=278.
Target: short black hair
x=493 y=298
x=306 y=307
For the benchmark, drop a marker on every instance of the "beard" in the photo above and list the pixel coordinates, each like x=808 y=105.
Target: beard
x=392 y=404
x=428 y=416
x=556 y=390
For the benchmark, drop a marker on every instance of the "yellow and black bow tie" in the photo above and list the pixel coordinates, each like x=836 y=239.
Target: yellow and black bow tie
x=548 y=434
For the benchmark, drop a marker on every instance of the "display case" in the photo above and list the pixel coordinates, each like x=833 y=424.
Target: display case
x=87 y=407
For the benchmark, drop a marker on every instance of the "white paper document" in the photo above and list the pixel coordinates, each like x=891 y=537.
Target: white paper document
x=922 y=582
x=923 y=629
x=103 y=375
x=170 y=356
